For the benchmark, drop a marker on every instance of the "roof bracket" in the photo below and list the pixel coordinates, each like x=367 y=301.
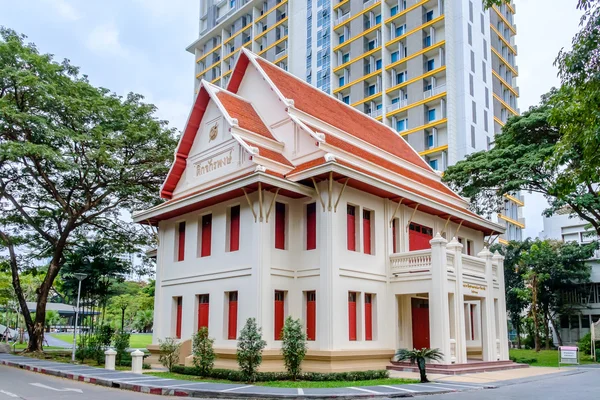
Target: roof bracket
x=340 y=195
x=396 y=211
x=260 y=201
x=318 y=193
x=458 y=229
x=271 y=206
x=249 y=203
x=412 y=216
x=445 y=225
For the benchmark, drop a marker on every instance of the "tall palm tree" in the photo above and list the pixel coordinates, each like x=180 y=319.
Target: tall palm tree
x=420 y=357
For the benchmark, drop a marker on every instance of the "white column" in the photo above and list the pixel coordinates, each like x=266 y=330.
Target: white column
x=137 y=360
x=439 y=318
x=488 y=327
x=459 y=303
x=502 y=318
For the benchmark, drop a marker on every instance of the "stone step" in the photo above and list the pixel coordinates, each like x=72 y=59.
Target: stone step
x=459 y=369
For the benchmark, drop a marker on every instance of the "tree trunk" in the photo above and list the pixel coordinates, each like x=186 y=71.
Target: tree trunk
x=534 y=306
x=547 y=329
x=122 y=319
x=422 y=370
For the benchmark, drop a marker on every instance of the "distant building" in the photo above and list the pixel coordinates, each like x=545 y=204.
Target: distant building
x=562 y=227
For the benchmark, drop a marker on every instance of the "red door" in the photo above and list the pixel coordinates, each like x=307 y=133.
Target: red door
x=351 y=228
x=233 y=309
x=368 y=316
x=311 y=226
x=420 y=327
x=419 y=237
x=234 y=229
x=352 y=315
x=279 y=313
x=178 y=320
x=311 y=315
x=206 y=235
x=203 y=307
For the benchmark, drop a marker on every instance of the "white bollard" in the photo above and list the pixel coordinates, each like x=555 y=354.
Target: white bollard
x=137 y=359
x=109 y=361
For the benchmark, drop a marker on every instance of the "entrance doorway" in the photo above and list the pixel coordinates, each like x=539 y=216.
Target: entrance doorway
x=420 y=323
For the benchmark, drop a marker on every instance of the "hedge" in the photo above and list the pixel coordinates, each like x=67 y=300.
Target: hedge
x=236 y=376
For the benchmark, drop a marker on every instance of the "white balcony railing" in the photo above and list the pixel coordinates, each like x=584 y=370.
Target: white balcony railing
x=473 y=266
x=342 y=19
x=434 y=91
x=281 y=54
x=368 y=4
x=397 y=105
x=374 y=113
x=411 y=262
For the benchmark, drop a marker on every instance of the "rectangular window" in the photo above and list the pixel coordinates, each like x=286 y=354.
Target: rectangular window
x=342 y=39
x=472 y=61
x=178 y=314
x=367 y=244
x=472 y=136
x=395 y=56
x=474 y=111
x=485 y=120
x=346 y=99
x=395 y=235
x=429 y=16
x=311 y=315
x=487 y=98
x=431 y=115
x=341 y=81
x=393 y=10
x=378 y=19
x=280 y=226
x=433 y=164
x=279 y=313
x=402 y=125
x=203 y=308
x=311 y=226
x=232 y=316
x=351 y=227
x=378 y=64
x=181 y=242
x=345 y=58
x=484 y=71
x=470 y=247
x=484 y=49
x=427 y=41
x=471 y=89
x=471 y=11
x=401 y=77
x=234 y=228
x=482 y=24
x=206 y=235
x=400 y=30
x=352 y=316
x=371 y=45
x=430 y=140
x=371 y=90
x=369 y=316
x=470 y=34
x=430 y=65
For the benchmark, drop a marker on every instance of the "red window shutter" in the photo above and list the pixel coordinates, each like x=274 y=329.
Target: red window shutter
x=352 y=315
x=311 y=315
x=280 y=226
x=311 y=226
x=234 y=229
x=368 y=317
x=469 y=247
x=206 y=235
x=178 y=321
x=181 y=242
x=394 y=235
x=203 y=307
x=419 y=237
x=233 y=309
x=279 y=313
x=367 y=231
x=351 y=226
x=472 y=308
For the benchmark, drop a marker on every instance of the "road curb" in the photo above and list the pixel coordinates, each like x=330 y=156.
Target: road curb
x=199 y=393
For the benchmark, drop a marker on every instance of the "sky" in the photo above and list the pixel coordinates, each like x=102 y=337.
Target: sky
x=139 y=46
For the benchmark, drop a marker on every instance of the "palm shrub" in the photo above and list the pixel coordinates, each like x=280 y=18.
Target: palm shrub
x=420 y=357
x=293 y=346
x=249 y=350
x=169 y=352
x=202 y=349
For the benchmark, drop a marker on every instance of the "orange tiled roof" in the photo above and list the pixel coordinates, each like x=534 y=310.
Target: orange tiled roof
x=245 y=113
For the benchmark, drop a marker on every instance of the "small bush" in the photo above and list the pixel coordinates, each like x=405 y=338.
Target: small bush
x=585 y=344
x=121 y=344
x=294 y=346
x=105 y=334
x=146 y=366
x=169 y=352
x=249 y=350
x=202 y=349
x=237 y=376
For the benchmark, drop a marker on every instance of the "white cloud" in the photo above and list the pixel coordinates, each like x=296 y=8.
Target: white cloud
x=64 y=9
x=168 y=9
x=105 y=39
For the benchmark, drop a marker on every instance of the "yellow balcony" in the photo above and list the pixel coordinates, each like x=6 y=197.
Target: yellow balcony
x=208 y=69
x=503 y=18
x=230 y=38
x=423 y=127
x=506 y=42
x=508 y=86
x=362 y=78
x=273 y=45
x=498 y=121
x=505 y=105
x=341 y=3
x=404 y=12
x=511 y=221
x=366 y=10
x=418 y=78
x=228 y=56
x=368 y=53
x=417 y=29
x=416 y=103
x=271 y=28
x=269 y=11
x=434 y=150
x=505 y=62
x=514 y=200
x=363 y=33
x=217 y=47
x=370 y=98
x=418 y=53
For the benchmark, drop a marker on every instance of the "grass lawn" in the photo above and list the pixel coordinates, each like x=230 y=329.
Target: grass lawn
x=545 y=358
x=290 y=384
x=137 y=341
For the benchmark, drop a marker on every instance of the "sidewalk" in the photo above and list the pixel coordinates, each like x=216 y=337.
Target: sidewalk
x=172 y=387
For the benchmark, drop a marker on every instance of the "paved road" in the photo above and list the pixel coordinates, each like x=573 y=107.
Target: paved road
x=580 y=384
x=18 y=384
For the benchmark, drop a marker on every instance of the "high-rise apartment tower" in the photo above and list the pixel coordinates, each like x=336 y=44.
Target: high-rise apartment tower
x=442 y=73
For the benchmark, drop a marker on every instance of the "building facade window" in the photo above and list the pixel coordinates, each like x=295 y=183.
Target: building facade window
x=352 y=316
x=232 y=315
x=181 y=241
x=203 y=310
x=367 y=232
x=369 y=316
x=234 y=228
x=178 y=316
x=206 y=235
x=351 y=227
x=433 y=164
x=279 y=314
x=311 y=315
x=280 y=217
x=311 y=226
x=431 y=115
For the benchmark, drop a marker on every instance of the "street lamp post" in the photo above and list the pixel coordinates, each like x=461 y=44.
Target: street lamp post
x=79 y=277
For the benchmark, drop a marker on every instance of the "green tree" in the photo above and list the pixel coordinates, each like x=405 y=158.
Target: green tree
x=294 y=346
x=249 y=350
x=73 y=157
x=143 y=320
x=121 y=343
x=420 y=357
x=202 y=349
